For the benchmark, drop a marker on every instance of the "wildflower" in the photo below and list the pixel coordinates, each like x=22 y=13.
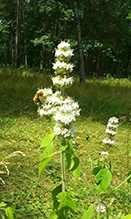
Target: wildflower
x=62 y=82
x=62 y=67
x=64 y=131
x=101 y=208
x=110 y=132
x=109 y=141
x=64 y=46
x=104 y=153
x=113 y=120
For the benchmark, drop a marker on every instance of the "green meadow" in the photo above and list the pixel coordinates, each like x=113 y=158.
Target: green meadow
x=22 y=129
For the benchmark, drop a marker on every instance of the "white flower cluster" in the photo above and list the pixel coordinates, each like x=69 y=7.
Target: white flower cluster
x=51 y=104
x=111 y=131
x=64 y=52
x=62 y=67
x=65 y=117
x=63 y=109
x=63 y=131
x=60 y=82
x=101 y=208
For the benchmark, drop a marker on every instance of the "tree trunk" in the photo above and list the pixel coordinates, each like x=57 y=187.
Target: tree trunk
x=42 y=57
x=81 y=57
x=18 y=34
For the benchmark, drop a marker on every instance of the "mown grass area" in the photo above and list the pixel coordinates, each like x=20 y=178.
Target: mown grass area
x=22 y=129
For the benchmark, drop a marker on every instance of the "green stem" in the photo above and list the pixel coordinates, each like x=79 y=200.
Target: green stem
x=98 y=215
x=63 y=170
x=123 y=182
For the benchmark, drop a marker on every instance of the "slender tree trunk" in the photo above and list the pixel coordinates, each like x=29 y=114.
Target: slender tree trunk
x=42 y=57
x=81 y=57
x=18 y=34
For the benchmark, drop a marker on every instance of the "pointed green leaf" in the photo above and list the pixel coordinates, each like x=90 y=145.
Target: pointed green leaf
x=9 y=213
x=76 y=172
x=89 y=213
x=74 y=163
x=128 y=216
x=63 y=147
x=103 y=179
x=65 y=201
x=55 y=192
x=47 y=140
x=46 y=157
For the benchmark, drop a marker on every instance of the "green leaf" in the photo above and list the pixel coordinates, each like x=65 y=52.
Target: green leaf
x=55 y=192
x=9 y=213
x=65 y=201
x=63 y=147
x=74 y=163
x=93 y=162
x=53 y=215
x=103 y=179
x=47 y=140
x=76 y=172
x=48 y=153
x=2 y=204
x=96 y=170
x=128 y=216
x=89 y=213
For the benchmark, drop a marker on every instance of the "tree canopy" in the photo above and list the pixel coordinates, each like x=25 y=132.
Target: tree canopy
x=31 y=29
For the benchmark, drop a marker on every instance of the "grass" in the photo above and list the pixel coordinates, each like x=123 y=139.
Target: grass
x=22 y=129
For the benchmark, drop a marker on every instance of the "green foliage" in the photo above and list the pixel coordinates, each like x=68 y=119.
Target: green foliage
x=102 y=179
x=48 y=153
x=88 y=213
x=47 y=140
x=127 y=216
x=65 y=202
x=9 y=213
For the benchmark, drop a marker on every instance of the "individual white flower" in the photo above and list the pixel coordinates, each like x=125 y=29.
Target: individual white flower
x=60 y=82
x=109 y=141
x=110 y=132
x=101 y=208
x=104 y=153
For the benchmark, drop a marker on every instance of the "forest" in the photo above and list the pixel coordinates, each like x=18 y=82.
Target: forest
x=98 y=30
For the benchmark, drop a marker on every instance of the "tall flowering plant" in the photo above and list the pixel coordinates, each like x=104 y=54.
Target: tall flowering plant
x=63 y=110
x=103 y=170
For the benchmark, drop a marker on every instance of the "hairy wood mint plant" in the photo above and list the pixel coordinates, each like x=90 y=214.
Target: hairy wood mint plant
x=63 y=111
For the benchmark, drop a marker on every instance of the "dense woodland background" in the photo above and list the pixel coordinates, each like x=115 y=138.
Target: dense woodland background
x=99 y=32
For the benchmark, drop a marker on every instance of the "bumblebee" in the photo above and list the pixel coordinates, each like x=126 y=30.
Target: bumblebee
x=38 y=96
